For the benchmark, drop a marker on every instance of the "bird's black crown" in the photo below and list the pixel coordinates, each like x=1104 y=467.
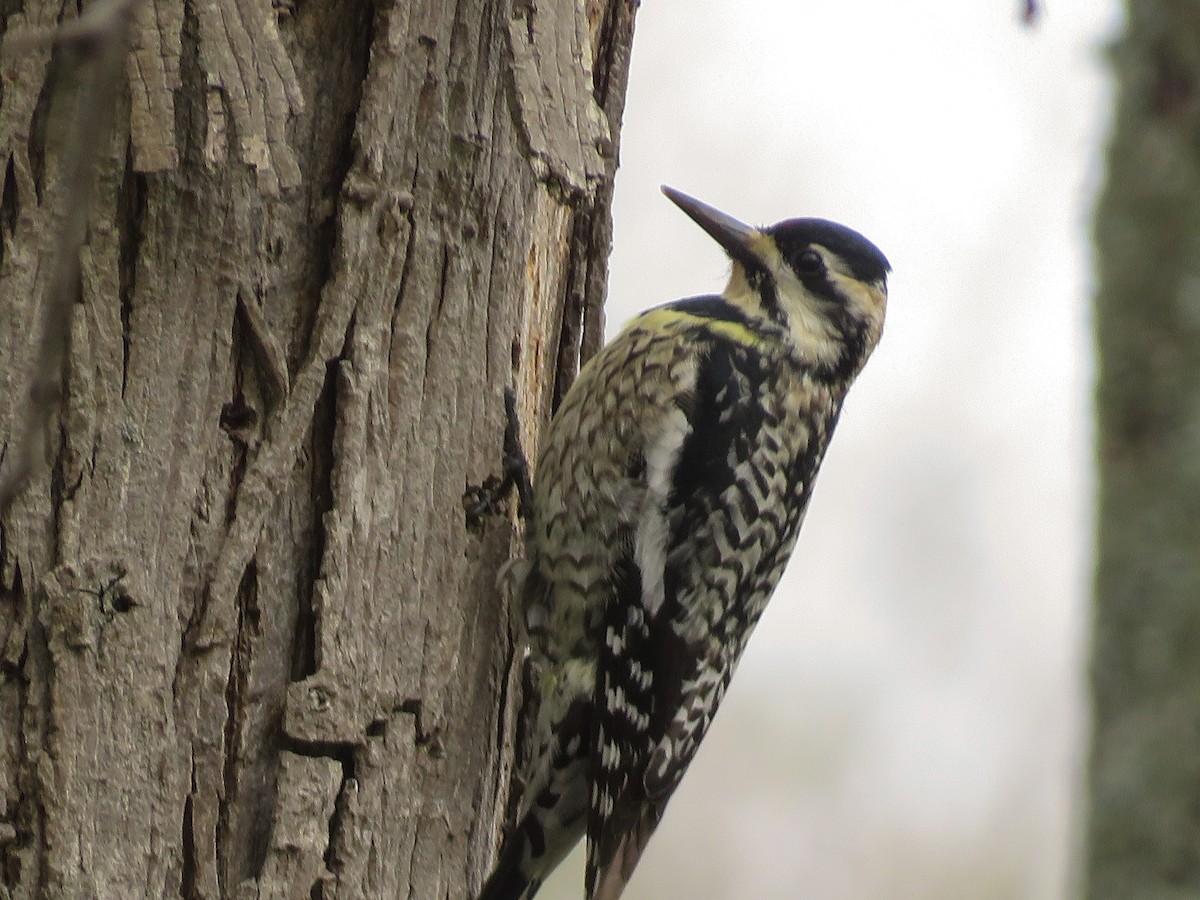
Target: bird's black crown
x=793 y=236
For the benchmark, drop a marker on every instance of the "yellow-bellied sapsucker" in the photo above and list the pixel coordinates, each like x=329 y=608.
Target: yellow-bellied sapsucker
x=669 y=490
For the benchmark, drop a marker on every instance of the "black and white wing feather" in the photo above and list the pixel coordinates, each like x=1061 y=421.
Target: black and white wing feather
x=710 y=546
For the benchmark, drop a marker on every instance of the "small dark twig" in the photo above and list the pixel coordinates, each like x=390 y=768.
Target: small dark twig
x=485 y=499
x=516 y=465
x=99 y=39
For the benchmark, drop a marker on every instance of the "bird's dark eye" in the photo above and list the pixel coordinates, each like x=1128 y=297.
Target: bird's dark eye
x=810 y=263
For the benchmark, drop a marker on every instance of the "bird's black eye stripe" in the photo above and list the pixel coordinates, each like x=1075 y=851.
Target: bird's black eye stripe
x=810 y=262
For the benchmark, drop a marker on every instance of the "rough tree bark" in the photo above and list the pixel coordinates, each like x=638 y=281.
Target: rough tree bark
x=1144 y=830
x=249 y=646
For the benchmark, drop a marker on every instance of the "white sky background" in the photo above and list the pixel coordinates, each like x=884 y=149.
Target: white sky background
x=908 y=721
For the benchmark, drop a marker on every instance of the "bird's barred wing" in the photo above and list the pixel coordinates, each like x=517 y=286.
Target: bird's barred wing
x=678 y=625
x=620 y=821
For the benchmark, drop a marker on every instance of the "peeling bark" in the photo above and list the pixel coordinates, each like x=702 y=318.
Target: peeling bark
x=248 y=646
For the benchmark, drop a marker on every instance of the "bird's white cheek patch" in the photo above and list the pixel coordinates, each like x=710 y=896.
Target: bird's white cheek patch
x=814 y=335
x=867 y=301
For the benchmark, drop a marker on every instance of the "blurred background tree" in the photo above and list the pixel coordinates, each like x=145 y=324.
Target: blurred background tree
x=1143 y=831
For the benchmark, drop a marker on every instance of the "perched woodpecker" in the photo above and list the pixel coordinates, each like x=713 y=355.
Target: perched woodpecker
x=669 y=490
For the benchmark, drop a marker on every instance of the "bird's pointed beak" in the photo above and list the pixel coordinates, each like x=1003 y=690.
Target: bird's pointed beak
x=736 y=237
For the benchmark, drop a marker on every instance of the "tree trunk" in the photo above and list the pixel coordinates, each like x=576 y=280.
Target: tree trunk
x=249 y=645
x=1144 y=829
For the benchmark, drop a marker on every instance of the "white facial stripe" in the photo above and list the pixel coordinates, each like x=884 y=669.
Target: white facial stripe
x=866 y=301
x=811 y=328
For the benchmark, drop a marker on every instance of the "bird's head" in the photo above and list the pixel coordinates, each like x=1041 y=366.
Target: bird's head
x=825 y=284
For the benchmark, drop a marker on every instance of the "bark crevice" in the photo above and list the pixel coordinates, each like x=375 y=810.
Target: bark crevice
x=131 y=209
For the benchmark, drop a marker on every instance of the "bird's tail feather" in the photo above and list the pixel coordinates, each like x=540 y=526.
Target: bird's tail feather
x=509 y=880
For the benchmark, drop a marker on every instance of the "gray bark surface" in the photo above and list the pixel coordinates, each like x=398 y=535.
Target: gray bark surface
x=1143 y=833
x=249 y=646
